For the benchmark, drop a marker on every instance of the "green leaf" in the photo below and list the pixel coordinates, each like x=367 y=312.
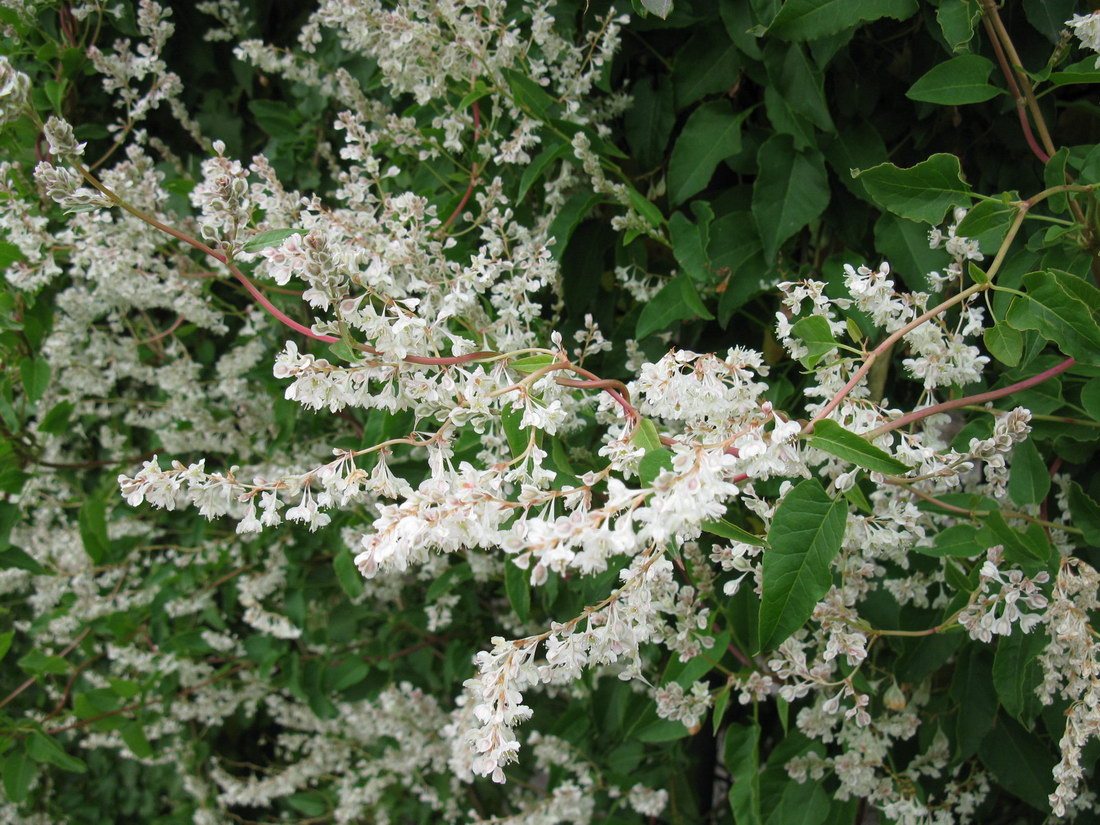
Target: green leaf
x=959 y=540
x=729 y=530
x=1085 y=513
x=972 y=688
x=1050 y=16
x=989 y=220
x=1082 y=72
x=9 y=254
x=1016 y=673
x=689 y=241
x=904 y=244
x=528 y=94
x=124 y=688
x=452 y=577
x=653 y=463
x=816 y=334
x=93 y=528
x=533 y=171
x=532 y=363
x=311 y=803
x=646 y=435
x=742 y=760
x=707 y=64
x=739 y=20
x=1054 y=174
x=960 y=80
x=920 y=193
x=516 y=435
x=518 y=589
x=35 y=373
x=343 y=350
x=479 y=91
x=800 y=86
x=853 y=146
x=957 y=19
x=711 y=134
x=347 y=574
x=276 y=118
x=270 y=237
x=1062 y=308
x=569 y=216
x=347 y=674
x=1090 y=398
x=804 y=538
x=1020 y=763
x=677 y=301
x=5 y=643
x=661 y=8
x=1004 y=343
x=133 y=734
x=662 y=730
x=56 y=420
x=1029 y=480
x=844 y=444
x=791 y=190
x=814 y=19
x=1019 y=547
x=43 y=748
x=646 y=208
x=19 y=559
x=802 y=803
x=19 y=772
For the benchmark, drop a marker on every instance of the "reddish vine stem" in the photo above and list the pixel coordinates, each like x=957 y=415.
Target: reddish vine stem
x=1017 y=95
x=473 y=176
x=980 y=398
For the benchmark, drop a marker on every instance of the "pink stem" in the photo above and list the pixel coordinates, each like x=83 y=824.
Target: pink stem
x=473 y=175
x=980 y=398
x=261 y=299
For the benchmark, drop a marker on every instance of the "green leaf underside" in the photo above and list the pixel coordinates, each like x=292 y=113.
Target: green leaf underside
x=804 y=538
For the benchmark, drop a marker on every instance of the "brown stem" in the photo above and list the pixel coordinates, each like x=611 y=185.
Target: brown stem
x=62 y=654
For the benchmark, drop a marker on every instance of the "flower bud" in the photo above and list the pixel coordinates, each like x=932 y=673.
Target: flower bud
x=14 y=88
